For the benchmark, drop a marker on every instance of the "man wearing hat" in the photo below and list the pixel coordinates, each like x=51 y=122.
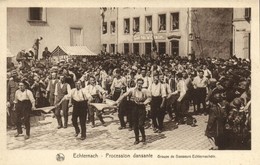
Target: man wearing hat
x=61 y=89
x=51 y=87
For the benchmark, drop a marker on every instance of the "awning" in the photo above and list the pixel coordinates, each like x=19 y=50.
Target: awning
x=72 y=51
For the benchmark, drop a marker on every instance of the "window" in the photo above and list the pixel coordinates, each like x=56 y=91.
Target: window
x=148 y=24
x=126 y=26
x=113 y=27
x=104 y=48
x=175 y=48
x=136 y=24
x=104 y=28
x=246 y=45
x=148 y=48
x=136 y=48
x=112 y=48
x=248 y=14
x=126 y=48
x=162 y=22
x=37 y=14
x=162 y=47
x=76 y=37
x=174 y=21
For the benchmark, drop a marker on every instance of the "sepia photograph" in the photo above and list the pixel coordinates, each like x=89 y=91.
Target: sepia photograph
x=128 y=78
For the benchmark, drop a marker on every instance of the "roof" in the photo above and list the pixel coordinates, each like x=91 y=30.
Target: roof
x=72 y=51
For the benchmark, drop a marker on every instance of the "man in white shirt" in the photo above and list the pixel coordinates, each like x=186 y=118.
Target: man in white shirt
x=200 y=84
x=98 y=95
x=24 y=102
x=168 y=91
x=139 y=97
x=79 y=100
x=158 y=94
x=118 y=87
x=180 y=95
x=207 y=72
x=61 y=89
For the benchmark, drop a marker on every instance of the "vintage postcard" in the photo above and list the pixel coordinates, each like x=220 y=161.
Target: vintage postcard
x=120 y=82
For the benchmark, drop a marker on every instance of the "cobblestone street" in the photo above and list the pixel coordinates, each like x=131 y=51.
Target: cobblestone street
x=45 y=135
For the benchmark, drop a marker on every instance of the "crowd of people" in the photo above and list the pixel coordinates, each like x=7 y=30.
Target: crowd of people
x=143 y=88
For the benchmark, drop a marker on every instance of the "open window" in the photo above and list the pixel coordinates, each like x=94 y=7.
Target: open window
x=113 y=27
x=136 y=25
x=148 y=24
x=126 y=26
x=162 y=22
x=104 y=28
x=174 y=21
x=37 y=14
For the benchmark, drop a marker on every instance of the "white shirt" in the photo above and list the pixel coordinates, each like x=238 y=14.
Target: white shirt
x=22 y=96
x=138 y=96
x=157 y=90
x=200 y=82
x=94 y=89
x=167 y=88
x=146 y=81
x=207 y=73
x=181 y=88
x=78 y=95
x=119 y=83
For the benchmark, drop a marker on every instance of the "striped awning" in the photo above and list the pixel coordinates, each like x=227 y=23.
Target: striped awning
x=72 y=51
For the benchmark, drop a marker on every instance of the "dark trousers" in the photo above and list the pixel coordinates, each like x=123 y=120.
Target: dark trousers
x=23 y=110
x=92 y=110
x=182 y=109
x=157 y=113
x=79 y=111
x=91 y=114
x=138 y=116
x=11 y=117
x=169 y=107
x=116 y=94
x=64 y=106
x=200 y=98
x=129 y=113
x=122 y=111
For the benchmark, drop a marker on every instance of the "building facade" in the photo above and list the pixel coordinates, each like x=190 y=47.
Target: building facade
x=242 y=32
x=176 y=31
x=57 y=26
x=135 y=29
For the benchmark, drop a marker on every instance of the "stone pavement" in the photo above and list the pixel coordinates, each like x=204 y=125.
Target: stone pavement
x=45 y=136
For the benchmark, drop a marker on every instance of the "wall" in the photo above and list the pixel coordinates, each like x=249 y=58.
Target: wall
x=21 y=34
x=242 y=28
x=213 y=27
